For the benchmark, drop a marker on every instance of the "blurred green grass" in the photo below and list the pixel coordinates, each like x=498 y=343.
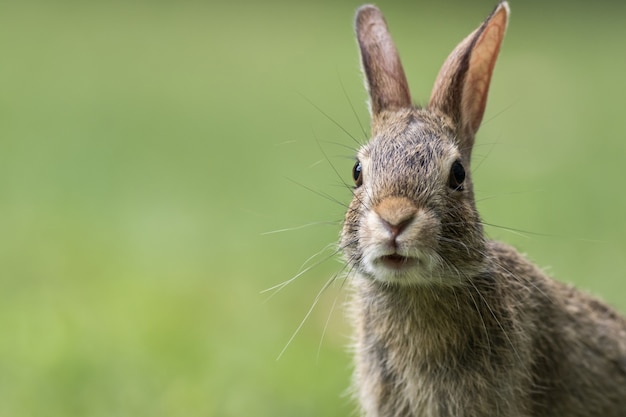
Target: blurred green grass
x=145 y=148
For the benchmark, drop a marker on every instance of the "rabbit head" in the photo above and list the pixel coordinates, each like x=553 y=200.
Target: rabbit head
x=412 y=219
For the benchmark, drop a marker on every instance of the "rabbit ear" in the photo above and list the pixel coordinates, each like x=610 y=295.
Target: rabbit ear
x=463 y=82
x=385 y=79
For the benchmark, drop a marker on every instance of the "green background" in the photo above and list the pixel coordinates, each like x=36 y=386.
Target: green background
x=146 y=149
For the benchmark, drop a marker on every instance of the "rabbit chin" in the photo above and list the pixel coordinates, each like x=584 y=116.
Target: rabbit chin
x=405 y=270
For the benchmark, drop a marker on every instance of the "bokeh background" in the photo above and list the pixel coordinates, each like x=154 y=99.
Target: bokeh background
x=147 y=149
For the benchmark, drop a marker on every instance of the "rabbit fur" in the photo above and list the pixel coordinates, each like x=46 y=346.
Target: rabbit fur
x=447 y=322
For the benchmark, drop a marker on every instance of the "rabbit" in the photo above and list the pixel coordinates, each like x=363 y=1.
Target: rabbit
x=447 y=322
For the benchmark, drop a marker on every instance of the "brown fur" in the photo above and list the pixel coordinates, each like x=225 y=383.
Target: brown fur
x=447 y=322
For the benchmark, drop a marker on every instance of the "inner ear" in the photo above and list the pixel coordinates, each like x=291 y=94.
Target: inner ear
x=462 y=85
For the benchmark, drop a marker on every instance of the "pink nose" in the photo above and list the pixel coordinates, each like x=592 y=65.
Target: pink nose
x=395 y=214
x=396 y=229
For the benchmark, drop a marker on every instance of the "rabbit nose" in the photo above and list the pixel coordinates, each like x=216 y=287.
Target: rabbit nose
x=395 y=214
x=396 y=229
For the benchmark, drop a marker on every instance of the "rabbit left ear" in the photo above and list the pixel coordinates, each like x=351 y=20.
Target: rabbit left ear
x=462 y=85
x=384 y=75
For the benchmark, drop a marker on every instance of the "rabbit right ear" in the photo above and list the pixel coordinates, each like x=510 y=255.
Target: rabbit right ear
x=385 y=79
x=463 y=82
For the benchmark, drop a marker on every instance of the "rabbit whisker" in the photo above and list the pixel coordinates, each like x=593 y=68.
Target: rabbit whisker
x=356 y=116
x=463 y=277
x=303 y=270
x=306 y=316
x=304 y=226
x=330 y=119
x=330 y=163
x=332 y=309
x=352 y=149
x=320 y=193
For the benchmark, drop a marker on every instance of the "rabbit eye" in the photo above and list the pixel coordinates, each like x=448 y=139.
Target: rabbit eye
x=357 y=175
x=457 y=176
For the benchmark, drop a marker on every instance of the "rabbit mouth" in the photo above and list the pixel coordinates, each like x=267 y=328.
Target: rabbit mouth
x=398 y=262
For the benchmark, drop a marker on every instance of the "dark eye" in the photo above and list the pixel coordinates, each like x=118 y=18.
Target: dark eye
x=457 y=176
x=357 y=175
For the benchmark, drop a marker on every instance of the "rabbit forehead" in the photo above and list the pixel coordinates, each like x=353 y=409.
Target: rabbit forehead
x=410 y=142
x=414 y=163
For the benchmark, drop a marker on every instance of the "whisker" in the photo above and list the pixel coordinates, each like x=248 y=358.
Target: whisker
x=505 y=109
x=524 y=280
x=278 y=287
x=316 y=163
x=331 y=164
x=320 y=193
x=482 y=320
x=495 y=317
x=356 y=116
x=306 y=316
x=330 y=313
x=304 y=226
x=509 y=193
x=476 y=167
x=342 y=145
x=518 y=232
x=330 y=119
x=445 y=239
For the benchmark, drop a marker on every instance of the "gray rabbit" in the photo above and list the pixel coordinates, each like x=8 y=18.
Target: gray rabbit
x=447 y=322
